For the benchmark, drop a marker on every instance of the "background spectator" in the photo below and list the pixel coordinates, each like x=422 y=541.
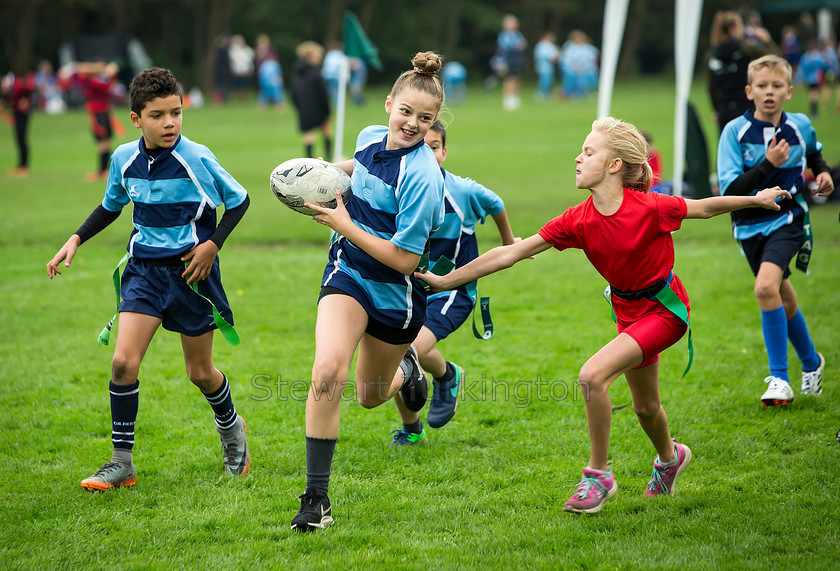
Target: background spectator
x=579 y=64
x=454 y=76
x=728 y=61
x=221 y=69
x=358 y=80
x=310 y=97
x=241 y=64
x=511 y=46
x=791 y=47
x=270 y=79
x=546 y=59
x=331 y=69
x=19 y=92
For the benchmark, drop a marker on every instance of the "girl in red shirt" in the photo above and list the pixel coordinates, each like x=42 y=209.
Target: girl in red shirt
x=625 y=232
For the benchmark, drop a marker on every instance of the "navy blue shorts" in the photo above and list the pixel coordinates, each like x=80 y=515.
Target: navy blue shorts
x=778 y=248
x=156 y=288
x=445 y=315
x=375 y=328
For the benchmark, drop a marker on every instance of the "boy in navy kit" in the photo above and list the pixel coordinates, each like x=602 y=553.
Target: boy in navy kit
x=175 y=186
x=467 y=203
x=763 y=148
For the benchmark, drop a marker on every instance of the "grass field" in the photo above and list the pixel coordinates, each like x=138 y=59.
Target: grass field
x=762 y=492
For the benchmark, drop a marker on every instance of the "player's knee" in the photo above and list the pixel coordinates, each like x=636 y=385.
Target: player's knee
x=369 y=401
x=646 y=410
x=124 y=370
x=327 y=370
x=766 y=291
x=201 y=376
x=590 y=379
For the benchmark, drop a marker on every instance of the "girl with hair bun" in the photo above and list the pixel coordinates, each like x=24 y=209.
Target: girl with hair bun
x=369 y=297
x=625 y=232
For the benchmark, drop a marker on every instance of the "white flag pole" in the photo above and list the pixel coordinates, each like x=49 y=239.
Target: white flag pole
x=340 y=108
x=687 y=26
x=615 y=15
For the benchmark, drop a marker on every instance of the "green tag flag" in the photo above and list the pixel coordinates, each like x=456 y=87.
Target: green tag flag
x=675 y=305
x=356 y=42
x=803 y=257
x=226 y=329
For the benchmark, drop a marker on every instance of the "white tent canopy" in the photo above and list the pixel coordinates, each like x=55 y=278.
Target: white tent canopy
x=686 y=29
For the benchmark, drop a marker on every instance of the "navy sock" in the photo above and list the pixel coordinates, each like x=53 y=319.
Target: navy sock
x=222 y=404
x=414 y=427
x=308 y=150
x=124 y=402
x=447 y=376
x=801 y=341
x=774 y=325
x=319 y=455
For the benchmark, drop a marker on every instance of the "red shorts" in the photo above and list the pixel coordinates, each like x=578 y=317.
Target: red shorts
x=654 y=333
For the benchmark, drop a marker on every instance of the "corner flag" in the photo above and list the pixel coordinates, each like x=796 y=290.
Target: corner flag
x=356 y=42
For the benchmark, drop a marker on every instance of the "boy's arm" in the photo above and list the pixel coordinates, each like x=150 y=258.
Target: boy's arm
x=229 y=220
x=503 y=224
x=745 y=184
x=202 y=256
x=98 y=220
x=822 y=174
x=708 y=207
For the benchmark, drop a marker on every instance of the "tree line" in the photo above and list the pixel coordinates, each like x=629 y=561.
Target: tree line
x=180 y=35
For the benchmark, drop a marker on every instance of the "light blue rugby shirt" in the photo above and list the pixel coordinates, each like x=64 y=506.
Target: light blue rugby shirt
x=398 y=196
x=467 y=203
x=743 y=145
x=175 y=196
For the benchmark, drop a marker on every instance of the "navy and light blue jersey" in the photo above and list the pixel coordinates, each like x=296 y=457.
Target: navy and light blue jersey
x=175 y=196
x=467 y=203
x=743 y=145
x=397 y=196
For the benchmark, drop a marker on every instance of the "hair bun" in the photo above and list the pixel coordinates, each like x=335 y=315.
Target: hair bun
x=427 y=63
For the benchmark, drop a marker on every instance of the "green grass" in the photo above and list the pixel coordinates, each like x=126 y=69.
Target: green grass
x=762 y=491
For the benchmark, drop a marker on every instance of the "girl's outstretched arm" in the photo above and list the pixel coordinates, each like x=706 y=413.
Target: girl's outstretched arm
x=708 y=207
x=492 y=261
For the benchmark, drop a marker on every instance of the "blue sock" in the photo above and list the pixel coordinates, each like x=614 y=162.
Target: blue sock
x=801 y=341
x=774 y=325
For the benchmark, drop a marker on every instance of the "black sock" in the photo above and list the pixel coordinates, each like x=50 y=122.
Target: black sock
x=124 y=402
x=103 y=161
x=447 y=376
x=319 y=455
x=222 y=404
x=408 y=370
x=308 y=150
x=814 y=108
x=327 y=148
x=414 y=427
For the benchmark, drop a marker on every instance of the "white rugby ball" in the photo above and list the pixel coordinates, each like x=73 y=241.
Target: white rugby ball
x=309 y=180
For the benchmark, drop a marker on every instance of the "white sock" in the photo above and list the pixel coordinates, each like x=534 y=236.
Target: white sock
x=673 y=462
